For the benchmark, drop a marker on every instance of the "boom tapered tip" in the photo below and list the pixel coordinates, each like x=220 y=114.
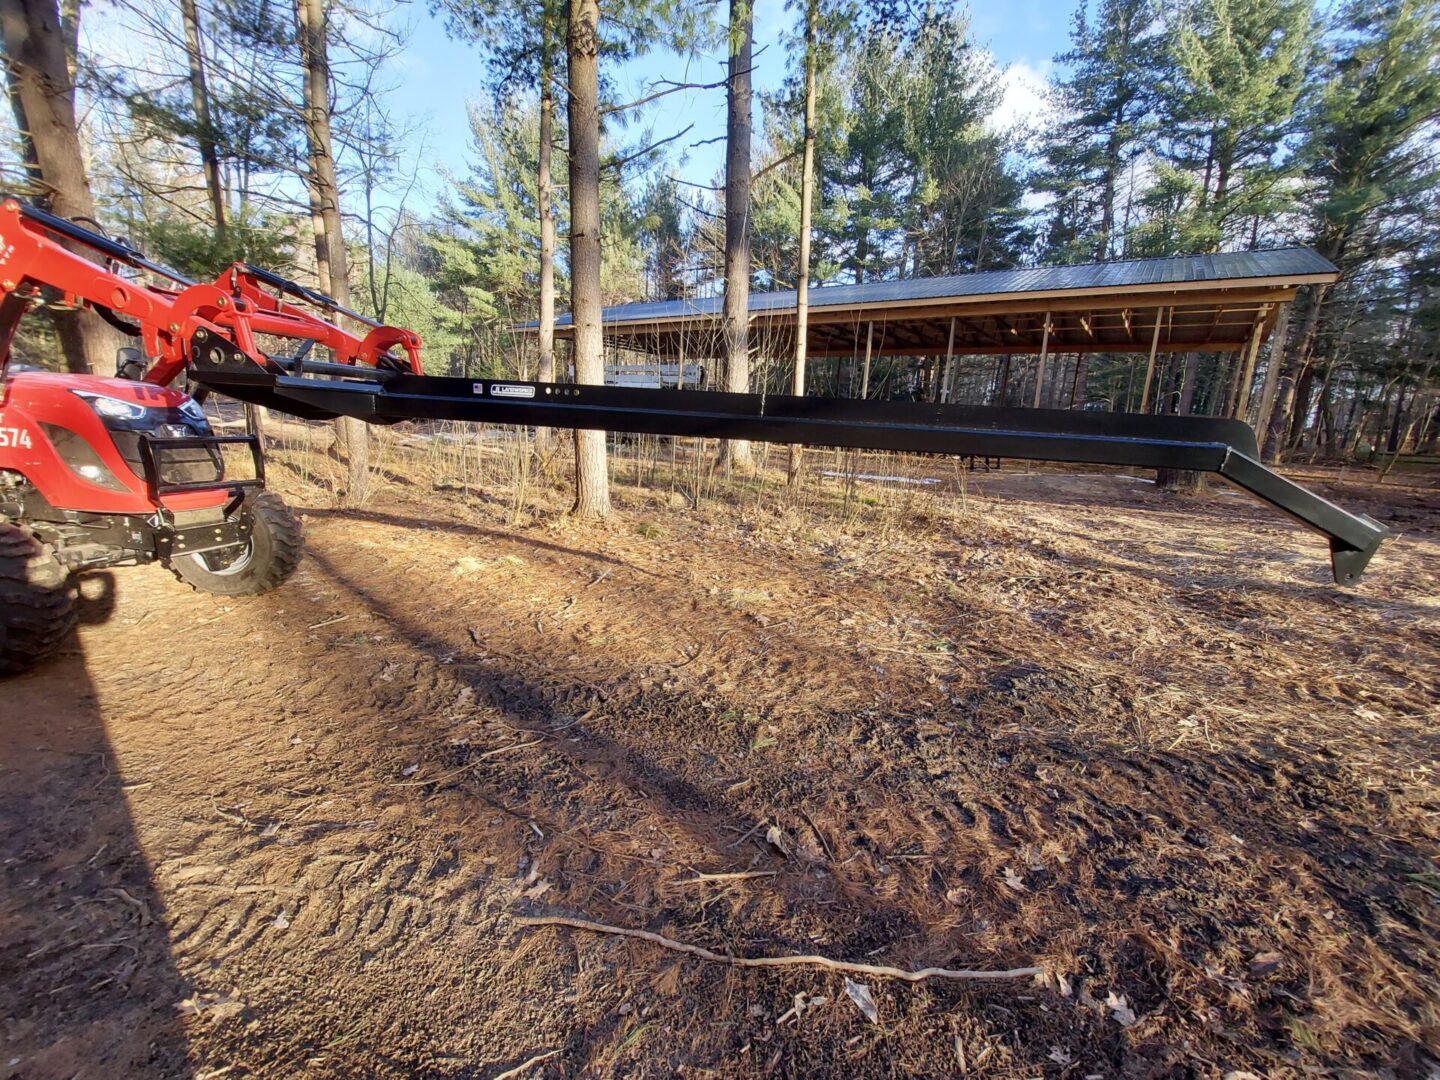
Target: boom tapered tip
x=1348 y=563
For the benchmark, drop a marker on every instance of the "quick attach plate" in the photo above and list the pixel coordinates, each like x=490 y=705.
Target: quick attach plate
x=172 y=542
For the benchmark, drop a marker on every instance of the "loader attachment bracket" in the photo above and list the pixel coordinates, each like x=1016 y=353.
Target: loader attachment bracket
x=1226 y=447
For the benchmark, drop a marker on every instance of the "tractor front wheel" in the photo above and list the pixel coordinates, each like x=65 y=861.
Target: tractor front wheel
x=37 y=607
x=267 y=559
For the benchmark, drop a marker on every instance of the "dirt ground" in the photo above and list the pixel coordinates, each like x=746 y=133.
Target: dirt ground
x=1055 y=719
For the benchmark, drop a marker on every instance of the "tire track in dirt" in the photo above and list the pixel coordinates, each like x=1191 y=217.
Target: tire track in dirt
x=342 y=819
x=1113 y=824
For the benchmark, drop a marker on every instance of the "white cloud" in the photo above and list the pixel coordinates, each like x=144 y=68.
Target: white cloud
x=1024 y=106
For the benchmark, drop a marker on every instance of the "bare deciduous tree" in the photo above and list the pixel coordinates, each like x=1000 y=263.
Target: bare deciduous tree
x=330 y=256
x=42 y=95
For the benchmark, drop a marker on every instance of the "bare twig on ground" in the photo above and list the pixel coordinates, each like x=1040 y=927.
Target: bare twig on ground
x=739 y=875
x=477 y=758
x=824 y=843
x=507 y=749
x=881 y=971
x=524 y=1067
x=753 y=830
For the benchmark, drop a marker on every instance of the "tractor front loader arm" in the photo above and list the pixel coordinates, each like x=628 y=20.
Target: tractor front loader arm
x=42 y=256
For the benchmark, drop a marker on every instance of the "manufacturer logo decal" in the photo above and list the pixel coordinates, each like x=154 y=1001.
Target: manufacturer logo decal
x=511 y=390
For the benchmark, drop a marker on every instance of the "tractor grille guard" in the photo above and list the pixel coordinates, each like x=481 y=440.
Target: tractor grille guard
x=1225 y=447
x=158 y=460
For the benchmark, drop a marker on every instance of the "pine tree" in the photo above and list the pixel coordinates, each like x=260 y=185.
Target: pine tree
x=664 y=229
x=1229 y=109
x=524 y=44
x=1105 y=105
x=735 y=453
x=867 y=170
x=1369 y=164
x=963 y=210
x=496 y=207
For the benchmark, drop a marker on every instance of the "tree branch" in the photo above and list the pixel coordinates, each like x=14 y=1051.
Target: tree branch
x=618 y=163
x=882 y=971
x=673 y=87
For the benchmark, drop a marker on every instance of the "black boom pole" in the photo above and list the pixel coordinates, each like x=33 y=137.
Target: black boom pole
x=1202 y=444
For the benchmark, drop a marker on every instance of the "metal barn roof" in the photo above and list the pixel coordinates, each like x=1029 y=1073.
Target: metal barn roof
x=1209 y=302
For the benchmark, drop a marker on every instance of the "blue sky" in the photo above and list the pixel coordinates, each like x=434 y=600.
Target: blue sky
x=437 y=77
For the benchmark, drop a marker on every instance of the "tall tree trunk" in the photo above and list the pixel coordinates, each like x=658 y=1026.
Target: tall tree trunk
x=735 y=453
x=592 y=477
x=807 y=203
x=1425 y=440
x=1347 y=426
x=204 y=122
x=1304 y=404
x=330 y=251
x=1078 y=388
x=545 y=190
x=1184 y=479
x=1421 y=398
x=1392 y=443
x=1274 y=439
x=42 y=94
x=1272 y=374
x=1326 y=409
x=1107 y=211
x=317 y=234
x=1188 y=379
x=1290 y=375
x=34 y=182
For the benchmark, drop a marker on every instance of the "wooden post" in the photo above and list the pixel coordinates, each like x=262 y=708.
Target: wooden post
x=1150 y=365
x=865 y=376
x=1004 y=380
x=948 y=386
x=1247 y=373
x=1040 y=368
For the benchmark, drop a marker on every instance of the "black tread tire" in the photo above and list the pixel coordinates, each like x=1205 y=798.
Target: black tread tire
x=276 y=546
x=37 y=605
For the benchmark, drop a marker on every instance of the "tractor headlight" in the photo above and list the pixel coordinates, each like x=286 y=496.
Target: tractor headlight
x=111 y=408
x=132 y=423
x=117 y=414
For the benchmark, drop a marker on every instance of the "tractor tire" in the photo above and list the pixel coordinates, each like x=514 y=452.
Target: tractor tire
x=37 y=606
x=270 y=557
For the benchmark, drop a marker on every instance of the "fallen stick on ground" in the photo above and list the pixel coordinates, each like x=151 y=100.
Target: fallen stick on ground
x=879 y=970
x=522 y=1069
x=738 y=876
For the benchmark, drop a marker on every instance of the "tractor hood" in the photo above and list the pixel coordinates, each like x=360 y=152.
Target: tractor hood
x=145 y=395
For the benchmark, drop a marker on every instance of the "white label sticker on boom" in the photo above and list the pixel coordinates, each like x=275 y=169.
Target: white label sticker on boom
x=511 y=390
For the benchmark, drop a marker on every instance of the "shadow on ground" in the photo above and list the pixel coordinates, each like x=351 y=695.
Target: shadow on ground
x=90 y=986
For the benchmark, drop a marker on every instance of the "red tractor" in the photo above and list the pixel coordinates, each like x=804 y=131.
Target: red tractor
x=96 y=472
